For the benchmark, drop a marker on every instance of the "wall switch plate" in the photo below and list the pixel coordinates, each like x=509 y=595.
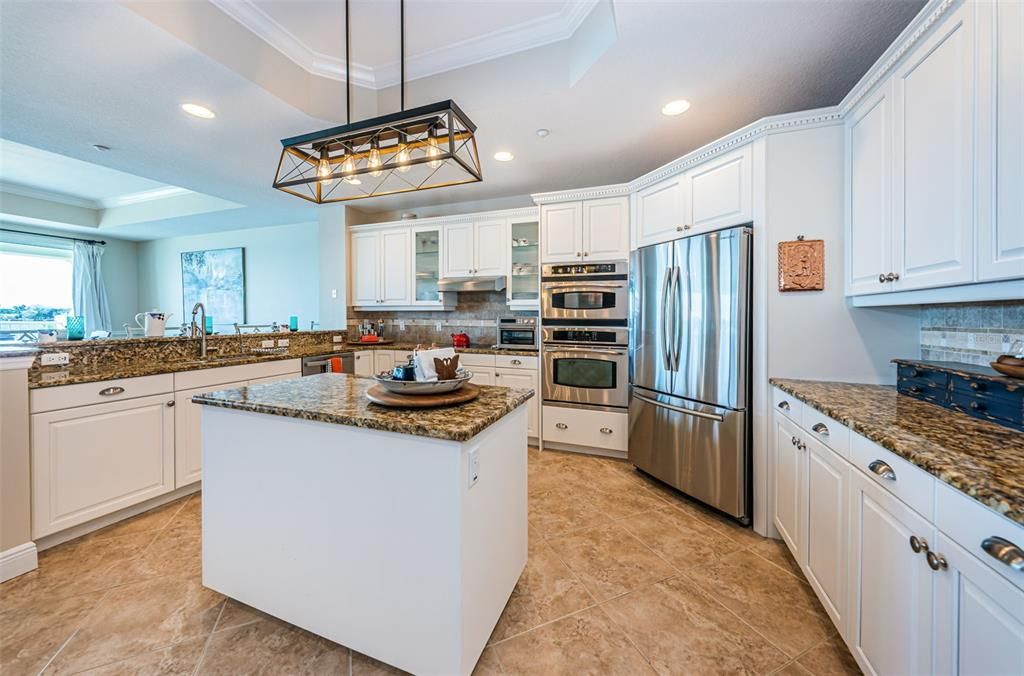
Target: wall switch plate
x=401 y=325
x=282 y=342
x=54 y=359
x=334 y=293
x=437 y=326
x=336 y=339
x=474 y=467
x=266 y=343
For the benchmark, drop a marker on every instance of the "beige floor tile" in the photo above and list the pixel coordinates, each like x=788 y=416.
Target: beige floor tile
x=609 y=561
x=269 y=648
x=587 y=643
x=779 y=606
x=70 y=569
x=31 y=635
x=149 y=521
x=558 y=512
x=546 y=591
x=237 y=614
x=623 y=502
x=138 y=618
x=831 y=658
x=683 y=540
x=488 y=664
x=681 y=630
x=364 y=665
x=191 y=511
x=742 y=534
x=777 y=552
x=176 y=550
x=792 y=669
x=179 y=659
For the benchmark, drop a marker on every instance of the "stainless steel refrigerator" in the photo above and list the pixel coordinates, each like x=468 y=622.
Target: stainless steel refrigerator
x=689 y=417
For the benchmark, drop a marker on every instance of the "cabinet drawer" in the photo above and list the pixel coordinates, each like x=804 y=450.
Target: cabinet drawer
x=828 y=431
x=507 y=362
x=922 y=383
x=189 y=380
x=479 y=361
x=910 y=484
x=594 y=429
x=969 y=523
x=102 y=392
x=988 y=400
x=788 y=405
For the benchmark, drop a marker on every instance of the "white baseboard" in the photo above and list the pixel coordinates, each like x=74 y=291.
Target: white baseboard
x=584 y=450
x=18 y=561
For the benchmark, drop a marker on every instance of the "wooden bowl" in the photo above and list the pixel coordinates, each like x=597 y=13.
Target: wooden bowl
x=1010 y=360
x=1009 y=369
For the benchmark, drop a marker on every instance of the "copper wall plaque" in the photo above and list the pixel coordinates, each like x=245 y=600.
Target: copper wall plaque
x=802 y=265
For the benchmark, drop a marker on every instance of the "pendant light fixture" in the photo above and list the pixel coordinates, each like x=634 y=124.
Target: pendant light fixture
x=427 y=147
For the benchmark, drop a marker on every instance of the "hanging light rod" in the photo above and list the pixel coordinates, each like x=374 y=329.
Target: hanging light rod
x=430 y=146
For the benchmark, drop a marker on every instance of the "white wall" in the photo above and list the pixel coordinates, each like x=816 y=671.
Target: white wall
x=333 y=289
x=817 y=334
x=281 y=272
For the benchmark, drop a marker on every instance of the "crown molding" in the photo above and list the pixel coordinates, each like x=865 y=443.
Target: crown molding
x=144 y=196
x=911 y=35
x=48 y=195
x=577 y=194
x=518 y=212
x=520 y=37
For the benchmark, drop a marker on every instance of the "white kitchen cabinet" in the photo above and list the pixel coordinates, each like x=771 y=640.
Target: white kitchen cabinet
x=890 y=630
x=89 y=461
x=979 y=616
x=381 y=267
x=459 y=250
x=525 y=379
x=363 y=363
x=825 y=533
x=584 y=428
x=365 y=262
x=869 y=234
x=1001 y=141
x=383 y=360
x=482 y=376
x=790 y=470
x=721 y=191
x=188 y=433
x=662 y=211
x=933 y=157
x=561 y=232
x=475 y=249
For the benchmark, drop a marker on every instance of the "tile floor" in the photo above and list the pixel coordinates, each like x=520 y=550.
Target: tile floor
x=624 y=577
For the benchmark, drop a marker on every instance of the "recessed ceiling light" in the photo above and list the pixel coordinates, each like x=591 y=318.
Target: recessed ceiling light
x=198 y=111
x=100 y=147
x=542 y=132
x=676 y=107
x=504 y=156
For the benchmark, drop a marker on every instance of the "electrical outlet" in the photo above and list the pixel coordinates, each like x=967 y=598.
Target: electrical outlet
x=54 y=359
x=266 y=343
x=437 y=326
x=282 y=342
x=474 y=467
x=334 y=293
x=337 y=339
x=401 y=325
x=59 y=376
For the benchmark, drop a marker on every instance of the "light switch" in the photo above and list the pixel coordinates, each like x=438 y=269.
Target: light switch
x=334 y=293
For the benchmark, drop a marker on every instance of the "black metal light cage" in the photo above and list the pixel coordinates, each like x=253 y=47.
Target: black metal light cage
x=427 y=147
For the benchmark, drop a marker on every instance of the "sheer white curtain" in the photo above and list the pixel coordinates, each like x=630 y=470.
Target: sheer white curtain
x=88 y=295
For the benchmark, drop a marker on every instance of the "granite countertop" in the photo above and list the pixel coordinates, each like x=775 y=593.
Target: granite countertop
x=340 y=399
x=7 y=351
x=979 y=458
x=402 y=347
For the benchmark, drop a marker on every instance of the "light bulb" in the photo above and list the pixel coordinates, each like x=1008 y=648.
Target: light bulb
x=373 y=161
x=402 y=158
x=433 y=150
x=348 y=167
x=323 y=167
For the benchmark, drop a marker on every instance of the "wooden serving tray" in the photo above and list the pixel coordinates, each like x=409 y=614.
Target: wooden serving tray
x=379 y=395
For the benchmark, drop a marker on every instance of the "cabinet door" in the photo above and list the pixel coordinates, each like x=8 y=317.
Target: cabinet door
x=188 y=433
x=459 y=250
x=869 y=196
x=396 y=267
x=1001 y=143
x=364 y=363
x=524 y=379
x=606 y=229
x=93 y=460
x=721 y=191
x=891 y=603
x=482 y=376
x=663 y=211
x=491 y=245
x=933 y=102
x=825 y=544
x=561 y=232
x=383 y=360
x=979 y=617
x=365 y=262
x=426 y=265
x=790 y=501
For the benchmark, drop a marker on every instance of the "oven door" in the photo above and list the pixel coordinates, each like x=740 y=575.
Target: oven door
x=586 y=375
x=585 y=300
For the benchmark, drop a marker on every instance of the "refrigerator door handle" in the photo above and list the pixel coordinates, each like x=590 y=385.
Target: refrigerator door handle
x=676 y=317
x=679 y=409
x=666 y=297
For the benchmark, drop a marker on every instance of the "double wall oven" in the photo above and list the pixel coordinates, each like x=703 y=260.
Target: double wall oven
x=584 y=310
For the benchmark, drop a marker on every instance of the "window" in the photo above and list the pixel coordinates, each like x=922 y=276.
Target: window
x=35 y=289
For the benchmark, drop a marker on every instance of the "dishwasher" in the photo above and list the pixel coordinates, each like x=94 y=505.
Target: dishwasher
x=328 y=363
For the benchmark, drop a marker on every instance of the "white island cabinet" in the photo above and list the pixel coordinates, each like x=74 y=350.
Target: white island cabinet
x=402 y=546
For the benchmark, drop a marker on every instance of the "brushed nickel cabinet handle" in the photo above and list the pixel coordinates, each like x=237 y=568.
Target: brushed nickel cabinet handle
x=784 y=405
x=1004 y=551
x=579 y=254
x=516 y=362
x=111 y=391
x=820 y=428
x=918 y=544
x=606 y=430
x=802 y=446
x=794 y=441
x=936 y=561
x=881 y=278
x=561 y=426
x=882 y=469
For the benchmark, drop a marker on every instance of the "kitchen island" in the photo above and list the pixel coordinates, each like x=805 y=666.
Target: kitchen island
x=398 y=533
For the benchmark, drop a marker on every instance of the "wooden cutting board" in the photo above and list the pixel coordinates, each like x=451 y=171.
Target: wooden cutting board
x=379 y=395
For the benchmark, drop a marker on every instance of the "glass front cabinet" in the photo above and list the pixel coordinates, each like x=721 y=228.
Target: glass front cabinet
x=524 y=267
x=426 y=265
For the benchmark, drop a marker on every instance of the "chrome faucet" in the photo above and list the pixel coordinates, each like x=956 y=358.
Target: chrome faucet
x=199 y=331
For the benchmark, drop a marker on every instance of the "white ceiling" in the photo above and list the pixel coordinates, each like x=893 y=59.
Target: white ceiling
x=115 y=73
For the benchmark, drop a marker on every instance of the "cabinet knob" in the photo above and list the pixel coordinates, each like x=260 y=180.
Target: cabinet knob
x=606 y=430
x=975 y=406
x=111 y=391
x=1004 y=551
x=936 y=561
x=497 y=375
x=586 y=253
x=516 y=362
x=977 y=386
x=802 y=446
x=170 y=403
x=892 y=277
x=918 y=544
x=561 y=426
x=579 y=254
x=794 y=441
x=882 y=469
x=881 y=278
x=820 y=428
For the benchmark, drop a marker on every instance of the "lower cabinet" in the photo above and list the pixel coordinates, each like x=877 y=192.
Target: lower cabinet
x=89 y=461
x=188 y=434
x=383 y=360
x=587 y=428
x=788 y=484
x=524 y=379
x=825 y=530
x=364 y=363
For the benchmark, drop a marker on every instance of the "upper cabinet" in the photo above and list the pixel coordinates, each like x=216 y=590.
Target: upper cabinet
x=381 y=269
x=524 y=264
x=426 y=264
x=475 y=249
x=591 y=230
x=715 y=194
x=935 y=161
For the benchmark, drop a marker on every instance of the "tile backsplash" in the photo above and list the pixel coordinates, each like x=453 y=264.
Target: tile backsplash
x=973 y=333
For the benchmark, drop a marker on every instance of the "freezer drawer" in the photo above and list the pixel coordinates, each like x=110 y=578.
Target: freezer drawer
x=701 y=450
